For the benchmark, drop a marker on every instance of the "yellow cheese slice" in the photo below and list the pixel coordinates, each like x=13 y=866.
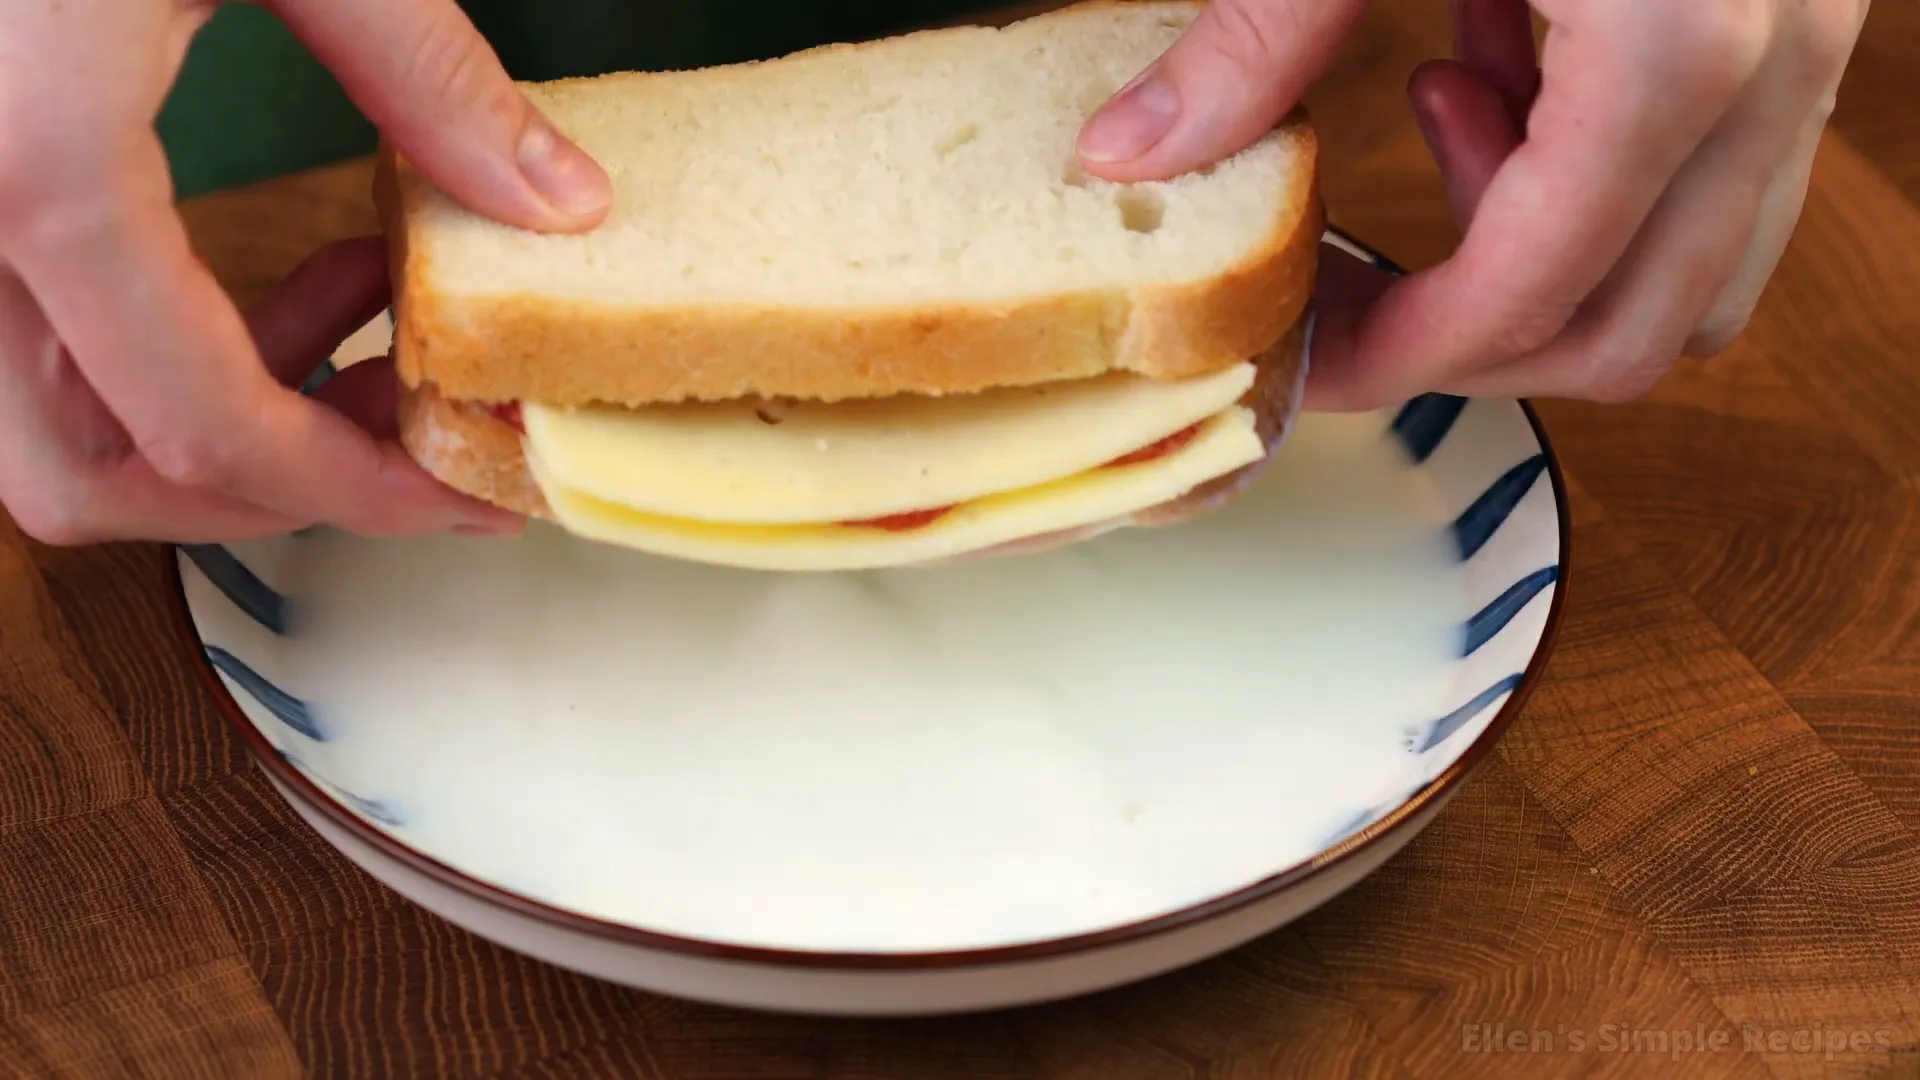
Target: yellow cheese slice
x=1224 y=443
x=850 y=460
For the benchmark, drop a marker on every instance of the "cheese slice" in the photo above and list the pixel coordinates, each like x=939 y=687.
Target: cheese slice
x=1225 y=442
x=812 y=462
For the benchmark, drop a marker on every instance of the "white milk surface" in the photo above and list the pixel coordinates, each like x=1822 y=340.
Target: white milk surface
x=973 y=755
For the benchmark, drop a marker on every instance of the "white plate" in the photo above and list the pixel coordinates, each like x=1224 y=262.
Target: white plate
x=913 y=791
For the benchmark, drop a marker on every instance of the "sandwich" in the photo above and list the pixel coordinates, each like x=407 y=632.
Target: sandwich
x=857 y=307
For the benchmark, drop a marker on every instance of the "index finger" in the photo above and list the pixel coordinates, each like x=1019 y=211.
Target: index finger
x=1233 y=73
x=424 y=75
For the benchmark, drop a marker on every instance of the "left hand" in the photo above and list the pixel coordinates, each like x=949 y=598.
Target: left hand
x=1625 y=195
x=135 y=400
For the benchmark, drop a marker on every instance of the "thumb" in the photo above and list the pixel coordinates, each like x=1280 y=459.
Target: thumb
x=432 y=84
x=1235 y=72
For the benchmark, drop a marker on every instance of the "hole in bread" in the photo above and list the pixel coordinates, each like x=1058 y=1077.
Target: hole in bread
x=1170 y=22
x=959 y=138
x=1076 y=177
x=1141 y=211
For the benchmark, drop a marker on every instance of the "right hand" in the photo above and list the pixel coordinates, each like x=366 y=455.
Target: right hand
x=1625 y=192
x=135 y=401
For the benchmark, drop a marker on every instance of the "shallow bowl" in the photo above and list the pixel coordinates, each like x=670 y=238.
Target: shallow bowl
x=509 y=817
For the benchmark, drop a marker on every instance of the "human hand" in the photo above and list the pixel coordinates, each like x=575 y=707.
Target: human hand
x=135 y=401
x=1625 y=198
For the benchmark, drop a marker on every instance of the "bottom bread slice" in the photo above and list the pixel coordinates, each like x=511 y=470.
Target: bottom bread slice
x=469 y=447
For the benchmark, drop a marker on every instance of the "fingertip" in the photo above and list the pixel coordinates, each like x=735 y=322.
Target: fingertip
x=1128 y=127
x=508 y=527
x=1233 y=74
x=1371 y=348
x=1342 y=280
x=439 y=93
x=1345 y=288
x=1465 y=124
x=567 y=178
x=1445 y=88
x=417 y=502
x=473 y=532
x=543 y=182
x=1427 y=82
x=414 y=502
x=1333 y=383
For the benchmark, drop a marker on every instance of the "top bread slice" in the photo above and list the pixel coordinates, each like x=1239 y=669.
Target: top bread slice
x=901 y=216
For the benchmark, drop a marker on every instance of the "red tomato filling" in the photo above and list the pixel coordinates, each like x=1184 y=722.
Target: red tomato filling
x=915 y=519
x=508 y=413
x=1158 y=449
x=907 y=522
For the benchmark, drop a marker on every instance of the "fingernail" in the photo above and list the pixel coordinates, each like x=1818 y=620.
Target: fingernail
x=487 y=527
x=561 y=172
x=1132 y=123
x=475 y=518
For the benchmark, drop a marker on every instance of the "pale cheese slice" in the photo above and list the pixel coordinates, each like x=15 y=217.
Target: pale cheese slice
x=850 y=460
x=1225 y=442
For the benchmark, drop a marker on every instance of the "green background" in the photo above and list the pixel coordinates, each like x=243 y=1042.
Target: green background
x=250 y=103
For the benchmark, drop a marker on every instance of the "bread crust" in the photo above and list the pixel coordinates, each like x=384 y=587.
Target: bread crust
x=539 y=348
x=469 y=448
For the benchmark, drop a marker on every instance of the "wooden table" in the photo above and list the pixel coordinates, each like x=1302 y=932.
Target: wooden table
x=1708 y=819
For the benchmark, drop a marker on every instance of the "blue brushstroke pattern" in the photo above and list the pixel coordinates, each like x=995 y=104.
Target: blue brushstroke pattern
x=240 y=585
x=1493 y=618
x=379 y=811
x=290 y=710
x=320 y=375
x=1453 y=721
x=1380 y=262
x=1477 y=524
x=1423 y=423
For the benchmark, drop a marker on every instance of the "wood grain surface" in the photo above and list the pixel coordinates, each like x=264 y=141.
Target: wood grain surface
x=1705 y=822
